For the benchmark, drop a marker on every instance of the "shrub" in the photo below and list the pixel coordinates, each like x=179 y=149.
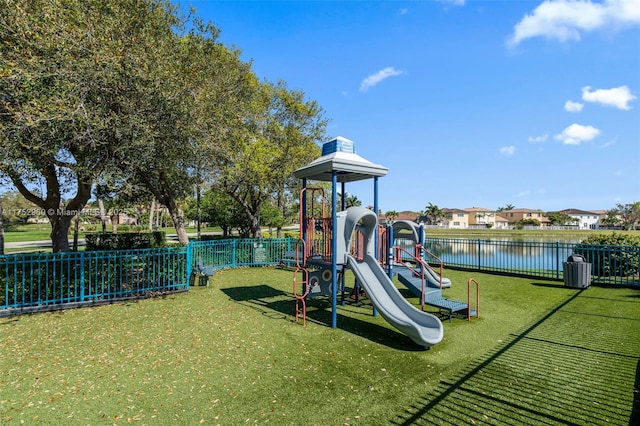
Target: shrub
x=292 y=234
x=209 y=237
x=611 y=254
x=122 y=241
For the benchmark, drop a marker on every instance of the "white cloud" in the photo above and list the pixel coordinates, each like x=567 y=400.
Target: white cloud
x=573 y=106
x=538 y=139
x=565 y=20
x=608 y=144
x=454 y=2
x=527 y=192
x=378 y=77
x=403 y=11
x=508 y=150
x=577 y=133
x=618 y=97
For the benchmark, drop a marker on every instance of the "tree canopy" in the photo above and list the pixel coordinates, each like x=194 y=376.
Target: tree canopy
x=133 y=94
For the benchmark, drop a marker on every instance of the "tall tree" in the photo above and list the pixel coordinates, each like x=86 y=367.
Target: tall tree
x=219 y=209
x=72 y=95
x=1 y=228
x=208 y=87
x=433 y=214
x=612 y=218
x=391 y=216
x=280 y=136
x=562 y=219
x=629 y=214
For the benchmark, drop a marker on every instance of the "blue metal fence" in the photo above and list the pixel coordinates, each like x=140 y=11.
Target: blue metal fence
x=45 y=281
x=241 y=252
x=617 y=265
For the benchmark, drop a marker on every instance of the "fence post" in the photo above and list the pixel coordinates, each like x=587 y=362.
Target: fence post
x=189 y=262
x=82 y=292
x=557 y=259
x=234 y=253
x=479 y=249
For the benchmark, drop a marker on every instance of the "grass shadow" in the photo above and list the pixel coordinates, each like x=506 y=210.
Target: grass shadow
x=276 y=304
x=635 y=411
x=551 y=285
x=542 y=375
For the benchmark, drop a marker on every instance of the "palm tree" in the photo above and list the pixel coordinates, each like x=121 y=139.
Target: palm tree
x=434 y=214
x=352 y=201
x=507 y=207
x=391 y=216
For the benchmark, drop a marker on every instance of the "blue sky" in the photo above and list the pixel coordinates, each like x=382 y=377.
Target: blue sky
x=468 y=103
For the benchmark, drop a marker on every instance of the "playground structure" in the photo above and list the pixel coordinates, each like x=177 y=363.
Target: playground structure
x=407 y=258
x=350 y=238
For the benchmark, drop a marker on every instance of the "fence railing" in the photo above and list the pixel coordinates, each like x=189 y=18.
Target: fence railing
x=617 y=265
x=236 y=253
x=45 y=281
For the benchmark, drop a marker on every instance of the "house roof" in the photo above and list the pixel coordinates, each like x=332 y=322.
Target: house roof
x=401 y=216
x=523 y=210
x=577 y=212
x=454 y=211
x=339 y=155
x=478 y=210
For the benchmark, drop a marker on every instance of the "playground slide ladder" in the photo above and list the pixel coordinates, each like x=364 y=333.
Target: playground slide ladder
x=301 y=283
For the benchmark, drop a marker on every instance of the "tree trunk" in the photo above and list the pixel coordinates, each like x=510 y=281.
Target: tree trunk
x=178 y=222
x=115 y=220
x=103 y=215
x=256 y=231
x=59 y=216
x=281 y=208
x=1 y=230
x=60 y=223
x=151 y=214
x=76 y=225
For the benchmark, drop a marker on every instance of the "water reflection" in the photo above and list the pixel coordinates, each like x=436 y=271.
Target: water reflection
x=502 y=253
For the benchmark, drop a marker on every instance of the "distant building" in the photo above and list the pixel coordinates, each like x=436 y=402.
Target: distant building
x=586 y=219
x=517 y=215
x=481 y=218
x=384 y=220
x=501 y=222
x=456 y=219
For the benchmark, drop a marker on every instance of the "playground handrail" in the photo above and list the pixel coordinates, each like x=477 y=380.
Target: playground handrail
x=398 y=255
x=305 y=219
x=440 y=262
x=469 y=281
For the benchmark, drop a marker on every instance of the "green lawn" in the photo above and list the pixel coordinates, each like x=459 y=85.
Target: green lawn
x=231 y=354
x=42 y=231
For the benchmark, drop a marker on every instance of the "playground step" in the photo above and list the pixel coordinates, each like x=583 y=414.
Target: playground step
x=413 y=283
x=451 y=306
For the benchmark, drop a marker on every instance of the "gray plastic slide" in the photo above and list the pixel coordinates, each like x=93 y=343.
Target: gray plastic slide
x=434 y=278
x=423 y=328
x=411 y=231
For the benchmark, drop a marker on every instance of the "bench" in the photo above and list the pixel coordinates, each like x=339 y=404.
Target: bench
x=203 y=272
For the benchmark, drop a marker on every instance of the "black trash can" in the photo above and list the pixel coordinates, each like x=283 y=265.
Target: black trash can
x=577 y=272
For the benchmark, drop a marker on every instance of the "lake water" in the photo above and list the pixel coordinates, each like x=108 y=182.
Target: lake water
x=502 y=253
